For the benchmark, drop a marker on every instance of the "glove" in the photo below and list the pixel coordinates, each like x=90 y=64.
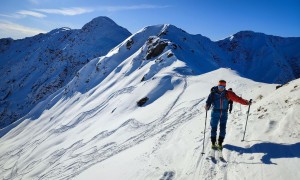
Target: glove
x=206 y=107
x=250 y=102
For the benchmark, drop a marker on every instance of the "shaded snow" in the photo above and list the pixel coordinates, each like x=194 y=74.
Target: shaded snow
x=33 y=68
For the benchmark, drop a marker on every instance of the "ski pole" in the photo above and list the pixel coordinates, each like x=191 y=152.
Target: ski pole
x=247 y=118
x=204 y=132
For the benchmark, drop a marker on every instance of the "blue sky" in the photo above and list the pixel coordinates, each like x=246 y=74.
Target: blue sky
x=215 y=19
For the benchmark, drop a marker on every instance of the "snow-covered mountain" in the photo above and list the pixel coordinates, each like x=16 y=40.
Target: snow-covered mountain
x=92 y=128
x=33 y=68
x=262 y=57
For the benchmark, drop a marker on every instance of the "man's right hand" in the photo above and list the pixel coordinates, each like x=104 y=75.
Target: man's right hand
x=250 y=102
x=206 y=107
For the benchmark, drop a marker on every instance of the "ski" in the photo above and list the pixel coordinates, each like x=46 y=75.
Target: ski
x=212 y=156
x=215 y=156
x=221 y=156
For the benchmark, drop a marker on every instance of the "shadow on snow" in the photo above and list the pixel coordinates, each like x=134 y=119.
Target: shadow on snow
x=270 y=150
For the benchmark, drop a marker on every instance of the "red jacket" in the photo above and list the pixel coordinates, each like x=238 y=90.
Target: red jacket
x=232 y=96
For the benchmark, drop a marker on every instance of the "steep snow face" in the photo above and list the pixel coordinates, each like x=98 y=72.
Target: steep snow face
x=154 y=47
x=33 y=68
x=263 y=57
x=102 y=29
x=198 y=52
x=101 y=133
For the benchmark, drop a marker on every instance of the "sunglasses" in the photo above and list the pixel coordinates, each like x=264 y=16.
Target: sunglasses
x=221 y=87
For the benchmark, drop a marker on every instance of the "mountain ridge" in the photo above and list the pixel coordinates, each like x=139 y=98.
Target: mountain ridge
x=200 y=55
x=35 y=67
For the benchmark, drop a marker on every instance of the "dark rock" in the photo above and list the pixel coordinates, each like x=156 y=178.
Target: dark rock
x=129 y=44
x=174 y=46
x=142 y=101
x=163 y=33
x=279 y=86
x=170 y=55
x=150 y=40
x=156 y=49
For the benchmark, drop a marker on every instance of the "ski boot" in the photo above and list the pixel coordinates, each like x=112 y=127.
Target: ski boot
x=214 y=147
x=213 y=143
x=220 y=142
x=220 y=147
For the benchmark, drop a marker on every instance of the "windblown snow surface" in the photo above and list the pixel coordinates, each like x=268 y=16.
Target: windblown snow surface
x=93 y=129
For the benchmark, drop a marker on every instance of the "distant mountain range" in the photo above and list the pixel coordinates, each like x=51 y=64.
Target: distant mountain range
x=35 y=67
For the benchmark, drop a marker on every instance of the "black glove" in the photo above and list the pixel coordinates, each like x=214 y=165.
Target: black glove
x=250 y=102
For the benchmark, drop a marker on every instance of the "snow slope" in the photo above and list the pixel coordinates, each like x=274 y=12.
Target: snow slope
x=278 y=57
x=163 y=138
x=270 y=150
x=92 y=128
x=33 y=68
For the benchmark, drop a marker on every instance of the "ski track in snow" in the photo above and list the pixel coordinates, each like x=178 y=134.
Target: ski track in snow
x=54 y=158
x=91 y=113
x=168 y=175
x=206 y=168
x=68 y=162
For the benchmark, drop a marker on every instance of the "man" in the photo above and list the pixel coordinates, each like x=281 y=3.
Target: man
x=230 y=103
x=219 y=98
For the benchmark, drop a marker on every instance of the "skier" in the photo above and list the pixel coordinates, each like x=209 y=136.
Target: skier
x=219 y=98
x=230 y=103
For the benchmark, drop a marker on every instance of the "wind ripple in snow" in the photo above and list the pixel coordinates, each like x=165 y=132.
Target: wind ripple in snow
x=76 y=161
x=91 y=113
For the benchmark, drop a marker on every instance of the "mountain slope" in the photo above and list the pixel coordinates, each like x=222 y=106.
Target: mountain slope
x=33 y=68
x=271 y=143
x=262 y=57
x=93 y=128
x=111 y=138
